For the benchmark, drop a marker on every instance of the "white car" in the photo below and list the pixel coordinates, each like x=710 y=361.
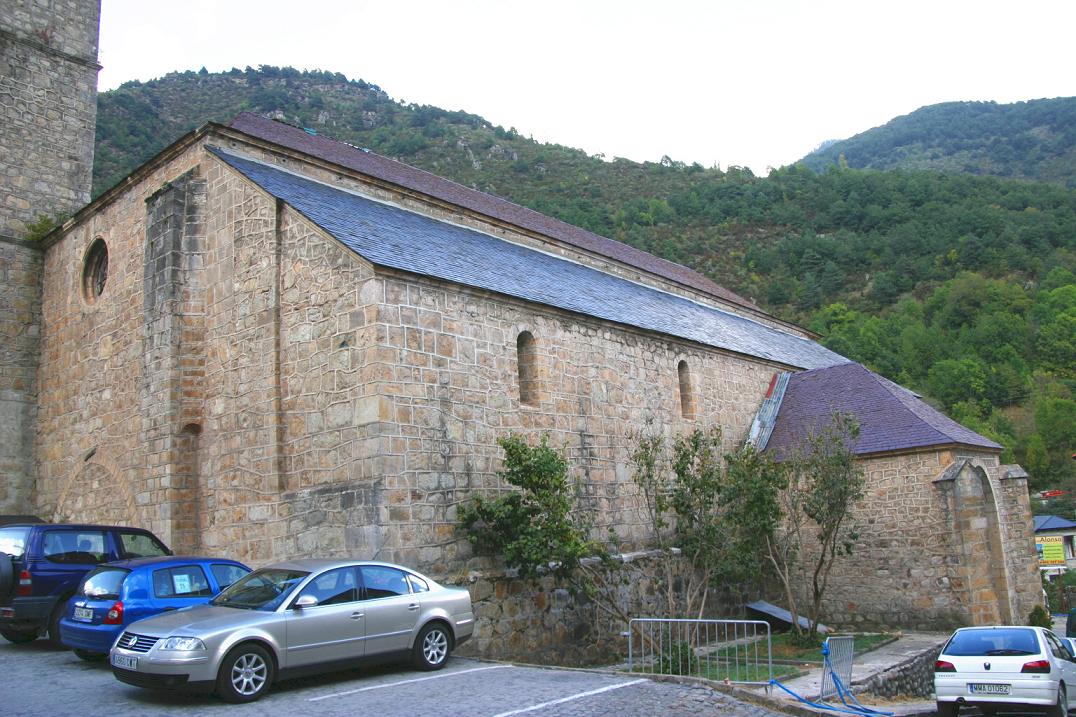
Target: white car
x=1006 y=667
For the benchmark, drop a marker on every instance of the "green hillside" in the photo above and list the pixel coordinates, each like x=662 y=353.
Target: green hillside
x=962 y=287
x=1026 y=140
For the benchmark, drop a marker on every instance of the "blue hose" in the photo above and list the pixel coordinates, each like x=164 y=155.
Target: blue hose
x=845 y=693
x=855 y=709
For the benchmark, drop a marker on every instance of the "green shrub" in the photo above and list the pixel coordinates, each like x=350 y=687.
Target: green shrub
x=1039 y=617
x=678 y=659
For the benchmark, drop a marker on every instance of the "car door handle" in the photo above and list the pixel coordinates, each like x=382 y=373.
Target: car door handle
x=413 y=606
x=357 y=616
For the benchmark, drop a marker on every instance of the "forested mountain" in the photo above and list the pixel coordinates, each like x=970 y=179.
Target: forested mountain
x=1025 y=140
x=962 y=287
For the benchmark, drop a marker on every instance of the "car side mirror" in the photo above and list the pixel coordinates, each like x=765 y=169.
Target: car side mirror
x=305 y=601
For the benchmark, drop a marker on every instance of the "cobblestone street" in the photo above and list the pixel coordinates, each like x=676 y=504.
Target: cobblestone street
x=44 y=682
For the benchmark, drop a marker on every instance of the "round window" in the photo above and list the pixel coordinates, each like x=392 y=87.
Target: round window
x=95 y=271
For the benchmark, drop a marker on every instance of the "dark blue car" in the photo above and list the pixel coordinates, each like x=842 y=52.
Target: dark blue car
x=116 y=594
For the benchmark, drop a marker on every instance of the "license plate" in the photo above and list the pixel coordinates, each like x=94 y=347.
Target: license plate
x=987 y=689
x=127 y=663
x=84 y=614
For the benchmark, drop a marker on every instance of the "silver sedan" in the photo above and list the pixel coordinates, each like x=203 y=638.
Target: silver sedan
x=295 y=617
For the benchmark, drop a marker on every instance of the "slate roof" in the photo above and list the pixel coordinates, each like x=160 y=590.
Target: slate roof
x=393 y=237
x=404 y=175
x=1052 y=522
x=891 y=418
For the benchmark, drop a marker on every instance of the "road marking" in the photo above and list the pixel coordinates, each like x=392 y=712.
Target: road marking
x=569 y=699
x=408 y=682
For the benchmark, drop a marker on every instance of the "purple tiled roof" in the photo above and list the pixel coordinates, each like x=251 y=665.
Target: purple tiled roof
x=891 y=418
x=404 y=175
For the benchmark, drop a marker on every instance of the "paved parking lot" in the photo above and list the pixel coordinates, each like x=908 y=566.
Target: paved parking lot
x=42 y=682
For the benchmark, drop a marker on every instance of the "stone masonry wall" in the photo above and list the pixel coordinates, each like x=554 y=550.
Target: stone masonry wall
x=444 y=365
x=912 y=678
x=1018 y=535
x=539 y=622
x=92 y=462
x=343 y=411
x=20 y=333
x=48 y=108
x=930 y=556
x=900 y=570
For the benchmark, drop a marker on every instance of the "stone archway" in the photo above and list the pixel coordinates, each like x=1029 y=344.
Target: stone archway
x=976 y=532
x=95 y=496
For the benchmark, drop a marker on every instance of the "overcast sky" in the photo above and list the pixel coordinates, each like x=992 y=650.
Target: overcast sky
x=757 y=83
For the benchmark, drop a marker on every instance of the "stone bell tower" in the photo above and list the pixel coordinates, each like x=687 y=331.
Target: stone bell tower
x=48 y=111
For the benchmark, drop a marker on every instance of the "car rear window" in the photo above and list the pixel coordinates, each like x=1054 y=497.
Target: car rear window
x=382 y=582
x=104 y=583
x=140 y=545
x=1003 y=641
x=13 y=541
x=75 y=546
x=418 y=585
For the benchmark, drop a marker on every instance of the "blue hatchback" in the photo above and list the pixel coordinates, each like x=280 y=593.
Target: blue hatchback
x=116 y=594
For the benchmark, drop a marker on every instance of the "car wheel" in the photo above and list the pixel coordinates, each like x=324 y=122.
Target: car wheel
x=54 y=624
x=1061 y=707
x=245 y=674
x=90 y=656
x=432 y=647
x=948 y=709
x=17 y=636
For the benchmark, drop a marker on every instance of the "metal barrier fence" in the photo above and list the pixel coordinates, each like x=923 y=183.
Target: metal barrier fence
x=737 y=651
x=840 y=651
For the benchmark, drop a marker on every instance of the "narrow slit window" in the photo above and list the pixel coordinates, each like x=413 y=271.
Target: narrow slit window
x=687 y=400
x=527 y=362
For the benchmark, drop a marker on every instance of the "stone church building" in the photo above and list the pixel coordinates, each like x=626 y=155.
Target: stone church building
x=265 y=343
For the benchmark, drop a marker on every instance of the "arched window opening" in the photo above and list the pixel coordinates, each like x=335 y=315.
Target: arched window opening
x=187 y=492
x=687 y=399
x=527 y=362
x=95 y=270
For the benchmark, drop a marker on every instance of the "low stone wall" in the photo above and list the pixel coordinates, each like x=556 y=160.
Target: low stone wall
x=912 y=678
x=542 y=622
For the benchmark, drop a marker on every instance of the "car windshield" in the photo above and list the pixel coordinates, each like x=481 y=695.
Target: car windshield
x=104 y=583
x=261 y=590
x=994 y=641
x=13 y=541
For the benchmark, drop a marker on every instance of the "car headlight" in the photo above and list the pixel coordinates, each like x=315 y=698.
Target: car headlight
x=184 y=644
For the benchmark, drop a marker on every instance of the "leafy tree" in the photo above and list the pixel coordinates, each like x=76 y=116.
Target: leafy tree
x=538 y=530
x=717 y=509
x=824 y=484
x=535 y=529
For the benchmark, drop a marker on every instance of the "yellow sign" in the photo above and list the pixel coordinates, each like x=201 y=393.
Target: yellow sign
x=1051 y=549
